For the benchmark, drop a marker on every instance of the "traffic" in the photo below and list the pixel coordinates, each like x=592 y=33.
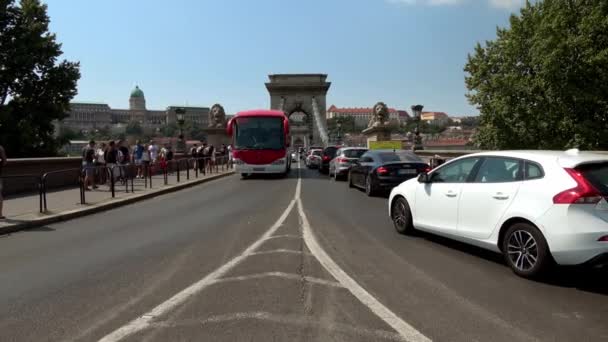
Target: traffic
x=539 y=209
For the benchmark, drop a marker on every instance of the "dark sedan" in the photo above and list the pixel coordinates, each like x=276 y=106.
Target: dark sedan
x=382 y=170
x=328 y=154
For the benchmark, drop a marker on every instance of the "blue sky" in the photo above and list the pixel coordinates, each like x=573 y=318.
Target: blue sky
x=199 y=52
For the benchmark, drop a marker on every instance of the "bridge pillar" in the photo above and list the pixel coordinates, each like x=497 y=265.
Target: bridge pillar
x=296 y=93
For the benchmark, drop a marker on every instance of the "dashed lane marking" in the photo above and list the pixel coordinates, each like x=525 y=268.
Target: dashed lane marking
x=279 y=251
x=291 y=276
x=285 y=236
x=297 y=320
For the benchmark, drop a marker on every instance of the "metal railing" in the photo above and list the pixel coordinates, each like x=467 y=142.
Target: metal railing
x=117 y=176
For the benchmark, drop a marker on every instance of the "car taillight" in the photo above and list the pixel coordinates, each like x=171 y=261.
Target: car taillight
x=603 y=239
x=325 y=158
x=583 y=193
x=426 y=169
x=342 y=160
x=382 y=170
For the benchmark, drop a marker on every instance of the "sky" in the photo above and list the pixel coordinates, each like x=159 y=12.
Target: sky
x=201 y=52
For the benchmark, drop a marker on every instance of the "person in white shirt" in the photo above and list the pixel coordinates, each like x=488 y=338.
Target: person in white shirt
x=153 y=149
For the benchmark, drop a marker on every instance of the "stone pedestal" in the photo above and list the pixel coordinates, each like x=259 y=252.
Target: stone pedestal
x=217 y=136
x=377 y=133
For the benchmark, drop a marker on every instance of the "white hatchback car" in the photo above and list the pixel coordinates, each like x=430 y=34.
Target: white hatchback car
x=534 y=207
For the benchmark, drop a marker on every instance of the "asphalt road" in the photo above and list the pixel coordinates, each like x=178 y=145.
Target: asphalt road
x=230 y=261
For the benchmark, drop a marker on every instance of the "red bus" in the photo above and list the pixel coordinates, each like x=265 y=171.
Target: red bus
x=260 y=142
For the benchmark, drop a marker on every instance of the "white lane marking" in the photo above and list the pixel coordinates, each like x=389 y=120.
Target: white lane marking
x=285 y=236
x=281 y=250
x=291 y=276
x=297 y=320
x=144 y=321
x=408 y=332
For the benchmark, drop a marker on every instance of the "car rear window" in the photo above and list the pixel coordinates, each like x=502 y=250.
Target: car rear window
x=388 y=157
x=354 y=153
x=330 y=151
x=317 y=153
x=597 y=175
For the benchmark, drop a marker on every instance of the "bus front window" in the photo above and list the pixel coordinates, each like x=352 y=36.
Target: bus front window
x=259 y=134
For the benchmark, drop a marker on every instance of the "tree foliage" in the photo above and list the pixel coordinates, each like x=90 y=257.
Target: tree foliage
x=35 y=87
x=134 y=129
x=543 y=83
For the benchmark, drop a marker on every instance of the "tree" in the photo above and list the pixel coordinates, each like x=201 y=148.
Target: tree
x=134 y=128
x=347 y=125
x=35 y=88
x=543 y=83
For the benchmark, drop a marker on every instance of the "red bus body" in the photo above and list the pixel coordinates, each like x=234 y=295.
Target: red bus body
x=260 y=139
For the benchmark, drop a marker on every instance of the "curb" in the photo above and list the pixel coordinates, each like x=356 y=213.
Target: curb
x=72 y=214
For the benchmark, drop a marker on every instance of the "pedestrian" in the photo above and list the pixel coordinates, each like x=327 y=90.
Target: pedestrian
x=88 y=164
x=111 y=159
x=169 y=158
x=211 y=157
x=100 y=162
x=123 y=159
x=3 y=161
x=153 y=152
x=138 y=153
x=200 y=154
x=229 y=150
x=193 y=152
x=145 y=161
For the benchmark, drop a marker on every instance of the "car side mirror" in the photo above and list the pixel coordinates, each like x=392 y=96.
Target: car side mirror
x=424 y=178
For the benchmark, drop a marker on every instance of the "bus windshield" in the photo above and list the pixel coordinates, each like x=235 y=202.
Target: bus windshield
x=259 y=133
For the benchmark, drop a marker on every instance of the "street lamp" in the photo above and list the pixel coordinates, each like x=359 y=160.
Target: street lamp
x=339 y=133
x=180 y=115
x=417 y=111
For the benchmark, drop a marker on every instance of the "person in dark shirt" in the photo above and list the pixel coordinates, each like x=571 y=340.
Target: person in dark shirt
x=124 y=150
x=111 y=158
x=88 y=164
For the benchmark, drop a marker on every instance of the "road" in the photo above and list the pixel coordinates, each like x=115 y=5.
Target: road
x=296 y=259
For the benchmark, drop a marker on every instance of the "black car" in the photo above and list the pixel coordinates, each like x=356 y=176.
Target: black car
x=384 y=169
x=328 y=154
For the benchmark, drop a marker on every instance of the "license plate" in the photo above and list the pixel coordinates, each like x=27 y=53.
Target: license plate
x=259 y=169
x=407 y=171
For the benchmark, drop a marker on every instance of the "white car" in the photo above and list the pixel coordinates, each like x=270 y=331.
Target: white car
x=534 y=207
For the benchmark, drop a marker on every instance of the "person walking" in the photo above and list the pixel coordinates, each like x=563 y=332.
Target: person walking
x=124 y=157
x=200 y=155
x=100 y=163
x=211 y=157
x=3 y=161
x=138 y=153
x=111 y=158
x=193 y=152
x=145 y=160
x=88 y=164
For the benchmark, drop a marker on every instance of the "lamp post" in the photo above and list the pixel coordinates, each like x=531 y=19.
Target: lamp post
x=179 y=114
x=339 y=133
x=417 y=111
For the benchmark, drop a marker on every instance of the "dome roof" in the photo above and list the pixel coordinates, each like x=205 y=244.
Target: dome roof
x=137 y=92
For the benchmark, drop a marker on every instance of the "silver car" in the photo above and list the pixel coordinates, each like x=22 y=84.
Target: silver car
x=343 y=161
x=313 y=160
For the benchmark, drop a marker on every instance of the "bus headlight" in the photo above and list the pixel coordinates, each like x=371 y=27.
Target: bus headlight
x=279 y=161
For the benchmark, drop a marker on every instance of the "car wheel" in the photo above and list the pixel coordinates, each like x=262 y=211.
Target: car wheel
x=525 y=250
x=244 y=176
x=402 y=216
x=369 y=186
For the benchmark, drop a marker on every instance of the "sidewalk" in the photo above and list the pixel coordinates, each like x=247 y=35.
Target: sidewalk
x=23 y=211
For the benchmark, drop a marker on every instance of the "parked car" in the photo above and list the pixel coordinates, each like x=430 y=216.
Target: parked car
x=328 y=154
x=534 y=207
x=343 y=161
x=379 y=170
x=313 y=160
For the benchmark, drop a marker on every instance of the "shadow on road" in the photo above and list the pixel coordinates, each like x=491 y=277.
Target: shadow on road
x=583 y=278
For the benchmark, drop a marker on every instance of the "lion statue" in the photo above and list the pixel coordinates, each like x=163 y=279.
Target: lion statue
x=379 y=115
x=217 y=116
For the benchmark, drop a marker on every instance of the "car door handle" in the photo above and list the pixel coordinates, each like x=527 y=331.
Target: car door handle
x=500 y=196
x=451 y=194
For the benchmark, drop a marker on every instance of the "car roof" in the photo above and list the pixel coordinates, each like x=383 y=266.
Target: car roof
x=353 y=148
x=569 y=158
x=390 y=151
